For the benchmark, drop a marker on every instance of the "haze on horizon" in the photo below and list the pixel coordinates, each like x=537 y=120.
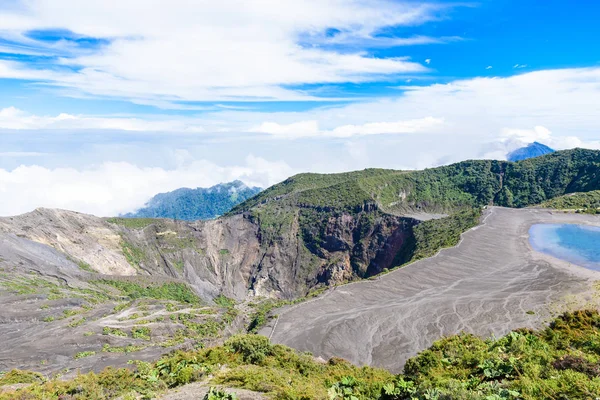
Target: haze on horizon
x=103 y=104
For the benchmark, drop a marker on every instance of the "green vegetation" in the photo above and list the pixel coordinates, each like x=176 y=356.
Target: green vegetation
x=559 y=362
x=130 y=348
x=320 y=206
x=195 y=204
x=134 y=255
x=18 y=376
x=588 y=202
x=77 y=323
x=431 y=236
x=166 y=291
x=471 y=183
x=218 y=394
x=224 y=301
x=107 y=330
x=133 y=223
x=83 y=354
x=85 y=266
x=141 y=332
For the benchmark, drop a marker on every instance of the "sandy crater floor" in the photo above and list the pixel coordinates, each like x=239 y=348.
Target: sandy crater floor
x=486 y=286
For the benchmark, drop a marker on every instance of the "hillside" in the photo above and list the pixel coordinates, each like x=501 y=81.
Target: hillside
x=532 y=150
x=558 y=362
x=587 y=202
x=63 y=272
x=196 y=204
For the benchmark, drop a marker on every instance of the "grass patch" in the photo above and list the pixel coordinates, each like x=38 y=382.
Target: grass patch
x=84 y=354
x=224 y=301
x=134 y=255
x=167 y=291
x=107 y=330
x=133 y=223
x=141 y=332
x=130 y=348
x=77 y=323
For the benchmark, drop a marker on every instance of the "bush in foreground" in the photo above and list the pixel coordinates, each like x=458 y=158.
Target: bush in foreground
x=559 y=362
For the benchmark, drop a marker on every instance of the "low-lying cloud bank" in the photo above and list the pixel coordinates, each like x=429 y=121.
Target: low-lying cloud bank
x=113 y=188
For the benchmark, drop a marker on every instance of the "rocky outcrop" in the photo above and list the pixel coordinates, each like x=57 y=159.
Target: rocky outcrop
x=233 y=255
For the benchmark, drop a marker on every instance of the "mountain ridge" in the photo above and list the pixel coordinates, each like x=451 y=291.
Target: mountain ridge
x=195 y=204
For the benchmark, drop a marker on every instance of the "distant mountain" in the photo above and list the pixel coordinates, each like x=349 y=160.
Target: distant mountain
x=534 y=149
x=193 y=204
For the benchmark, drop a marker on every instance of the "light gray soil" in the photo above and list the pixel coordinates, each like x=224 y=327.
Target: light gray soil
x=486 y=285
x=196 y=391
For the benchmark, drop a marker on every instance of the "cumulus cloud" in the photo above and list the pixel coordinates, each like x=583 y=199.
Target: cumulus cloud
x=207 y=50
x=116 y=187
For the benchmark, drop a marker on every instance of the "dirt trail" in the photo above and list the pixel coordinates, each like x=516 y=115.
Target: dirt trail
x=489 y=284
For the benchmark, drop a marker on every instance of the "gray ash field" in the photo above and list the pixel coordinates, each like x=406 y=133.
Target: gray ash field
x=491 y=283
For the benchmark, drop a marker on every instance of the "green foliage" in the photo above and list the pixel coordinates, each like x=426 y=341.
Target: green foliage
x=130 y=348
x=224 y=301
x=141 y=332
x=559 y=362
x=134 y=255
x=107 y=330
x=431 y=236
x=133 y=223
x=83 y=354
x=253 y=348
x=167 y=291
x=588 y=202
x=18 y=376
x=194 y=204
x=85 y=266
x=218 y=394
x=78 y=322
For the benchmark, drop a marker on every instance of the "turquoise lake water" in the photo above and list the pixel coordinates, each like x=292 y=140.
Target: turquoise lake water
x=577 y=244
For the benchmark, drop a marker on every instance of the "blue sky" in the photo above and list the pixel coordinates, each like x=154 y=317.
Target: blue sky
x=100 y=94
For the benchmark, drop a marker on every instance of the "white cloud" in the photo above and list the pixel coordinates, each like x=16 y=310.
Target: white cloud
x=519 y=66
x=537 y=134
x=311 y=128
x=207 y=50
x=428 y=61
x=112 y=188
x=15 y=119
x=489 y=67
x=481 y=117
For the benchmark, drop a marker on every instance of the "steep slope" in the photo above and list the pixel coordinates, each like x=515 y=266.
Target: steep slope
x=588 y=202
x=195 y=204
x=534 y=149
x=311 y=230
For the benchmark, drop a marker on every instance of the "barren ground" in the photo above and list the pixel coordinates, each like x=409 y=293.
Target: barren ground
x=491 y=283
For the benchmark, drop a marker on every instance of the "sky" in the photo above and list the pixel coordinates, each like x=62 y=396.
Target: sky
x=105 y=103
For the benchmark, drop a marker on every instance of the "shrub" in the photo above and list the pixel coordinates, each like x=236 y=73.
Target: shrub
x=253 y=348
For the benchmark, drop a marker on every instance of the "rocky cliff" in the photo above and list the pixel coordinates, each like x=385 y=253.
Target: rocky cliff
x=231 y=256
